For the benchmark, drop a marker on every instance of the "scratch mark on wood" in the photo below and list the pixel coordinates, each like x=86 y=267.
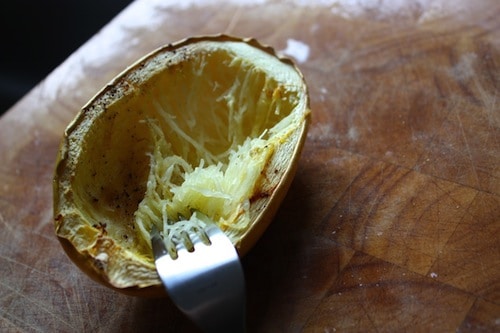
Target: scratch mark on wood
x=370 y=319
x=70 y=311
x=490 y=105
x=233 y=21
x=30 y=268
x=20 y=321
x=4 y=222
x=467 y=147
x=36 y=303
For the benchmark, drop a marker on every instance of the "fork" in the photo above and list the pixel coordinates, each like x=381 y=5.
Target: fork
x=205 y=280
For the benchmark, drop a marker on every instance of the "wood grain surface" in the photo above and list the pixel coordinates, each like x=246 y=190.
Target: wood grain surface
x=392 y=223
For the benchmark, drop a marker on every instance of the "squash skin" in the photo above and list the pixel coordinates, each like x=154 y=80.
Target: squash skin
x=280 y=171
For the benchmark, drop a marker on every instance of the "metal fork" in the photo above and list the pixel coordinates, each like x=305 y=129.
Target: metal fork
x=206 y=282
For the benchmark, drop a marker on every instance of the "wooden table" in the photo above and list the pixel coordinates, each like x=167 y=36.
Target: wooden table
x=392 y=223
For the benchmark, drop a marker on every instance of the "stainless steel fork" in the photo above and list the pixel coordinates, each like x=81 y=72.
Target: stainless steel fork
x=205 y=281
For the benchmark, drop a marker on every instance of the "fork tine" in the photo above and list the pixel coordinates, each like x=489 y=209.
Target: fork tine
x=207 y=284
x=159 y=249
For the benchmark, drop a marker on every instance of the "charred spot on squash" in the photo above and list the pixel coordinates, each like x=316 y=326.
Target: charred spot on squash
x=259 y=195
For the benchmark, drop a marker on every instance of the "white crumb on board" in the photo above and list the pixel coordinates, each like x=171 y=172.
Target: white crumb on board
x=464 y=68
x=353 y=133
x=297 y=50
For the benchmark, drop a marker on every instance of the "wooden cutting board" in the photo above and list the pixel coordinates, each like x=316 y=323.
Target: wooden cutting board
x=392 y=223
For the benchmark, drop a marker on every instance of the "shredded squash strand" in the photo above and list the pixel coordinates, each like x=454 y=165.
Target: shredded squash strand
x=214 y=191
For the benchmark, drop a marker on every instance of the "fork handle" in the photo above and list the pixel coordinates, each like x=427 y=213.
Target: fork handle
x=222 y=314
x=212 y=292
